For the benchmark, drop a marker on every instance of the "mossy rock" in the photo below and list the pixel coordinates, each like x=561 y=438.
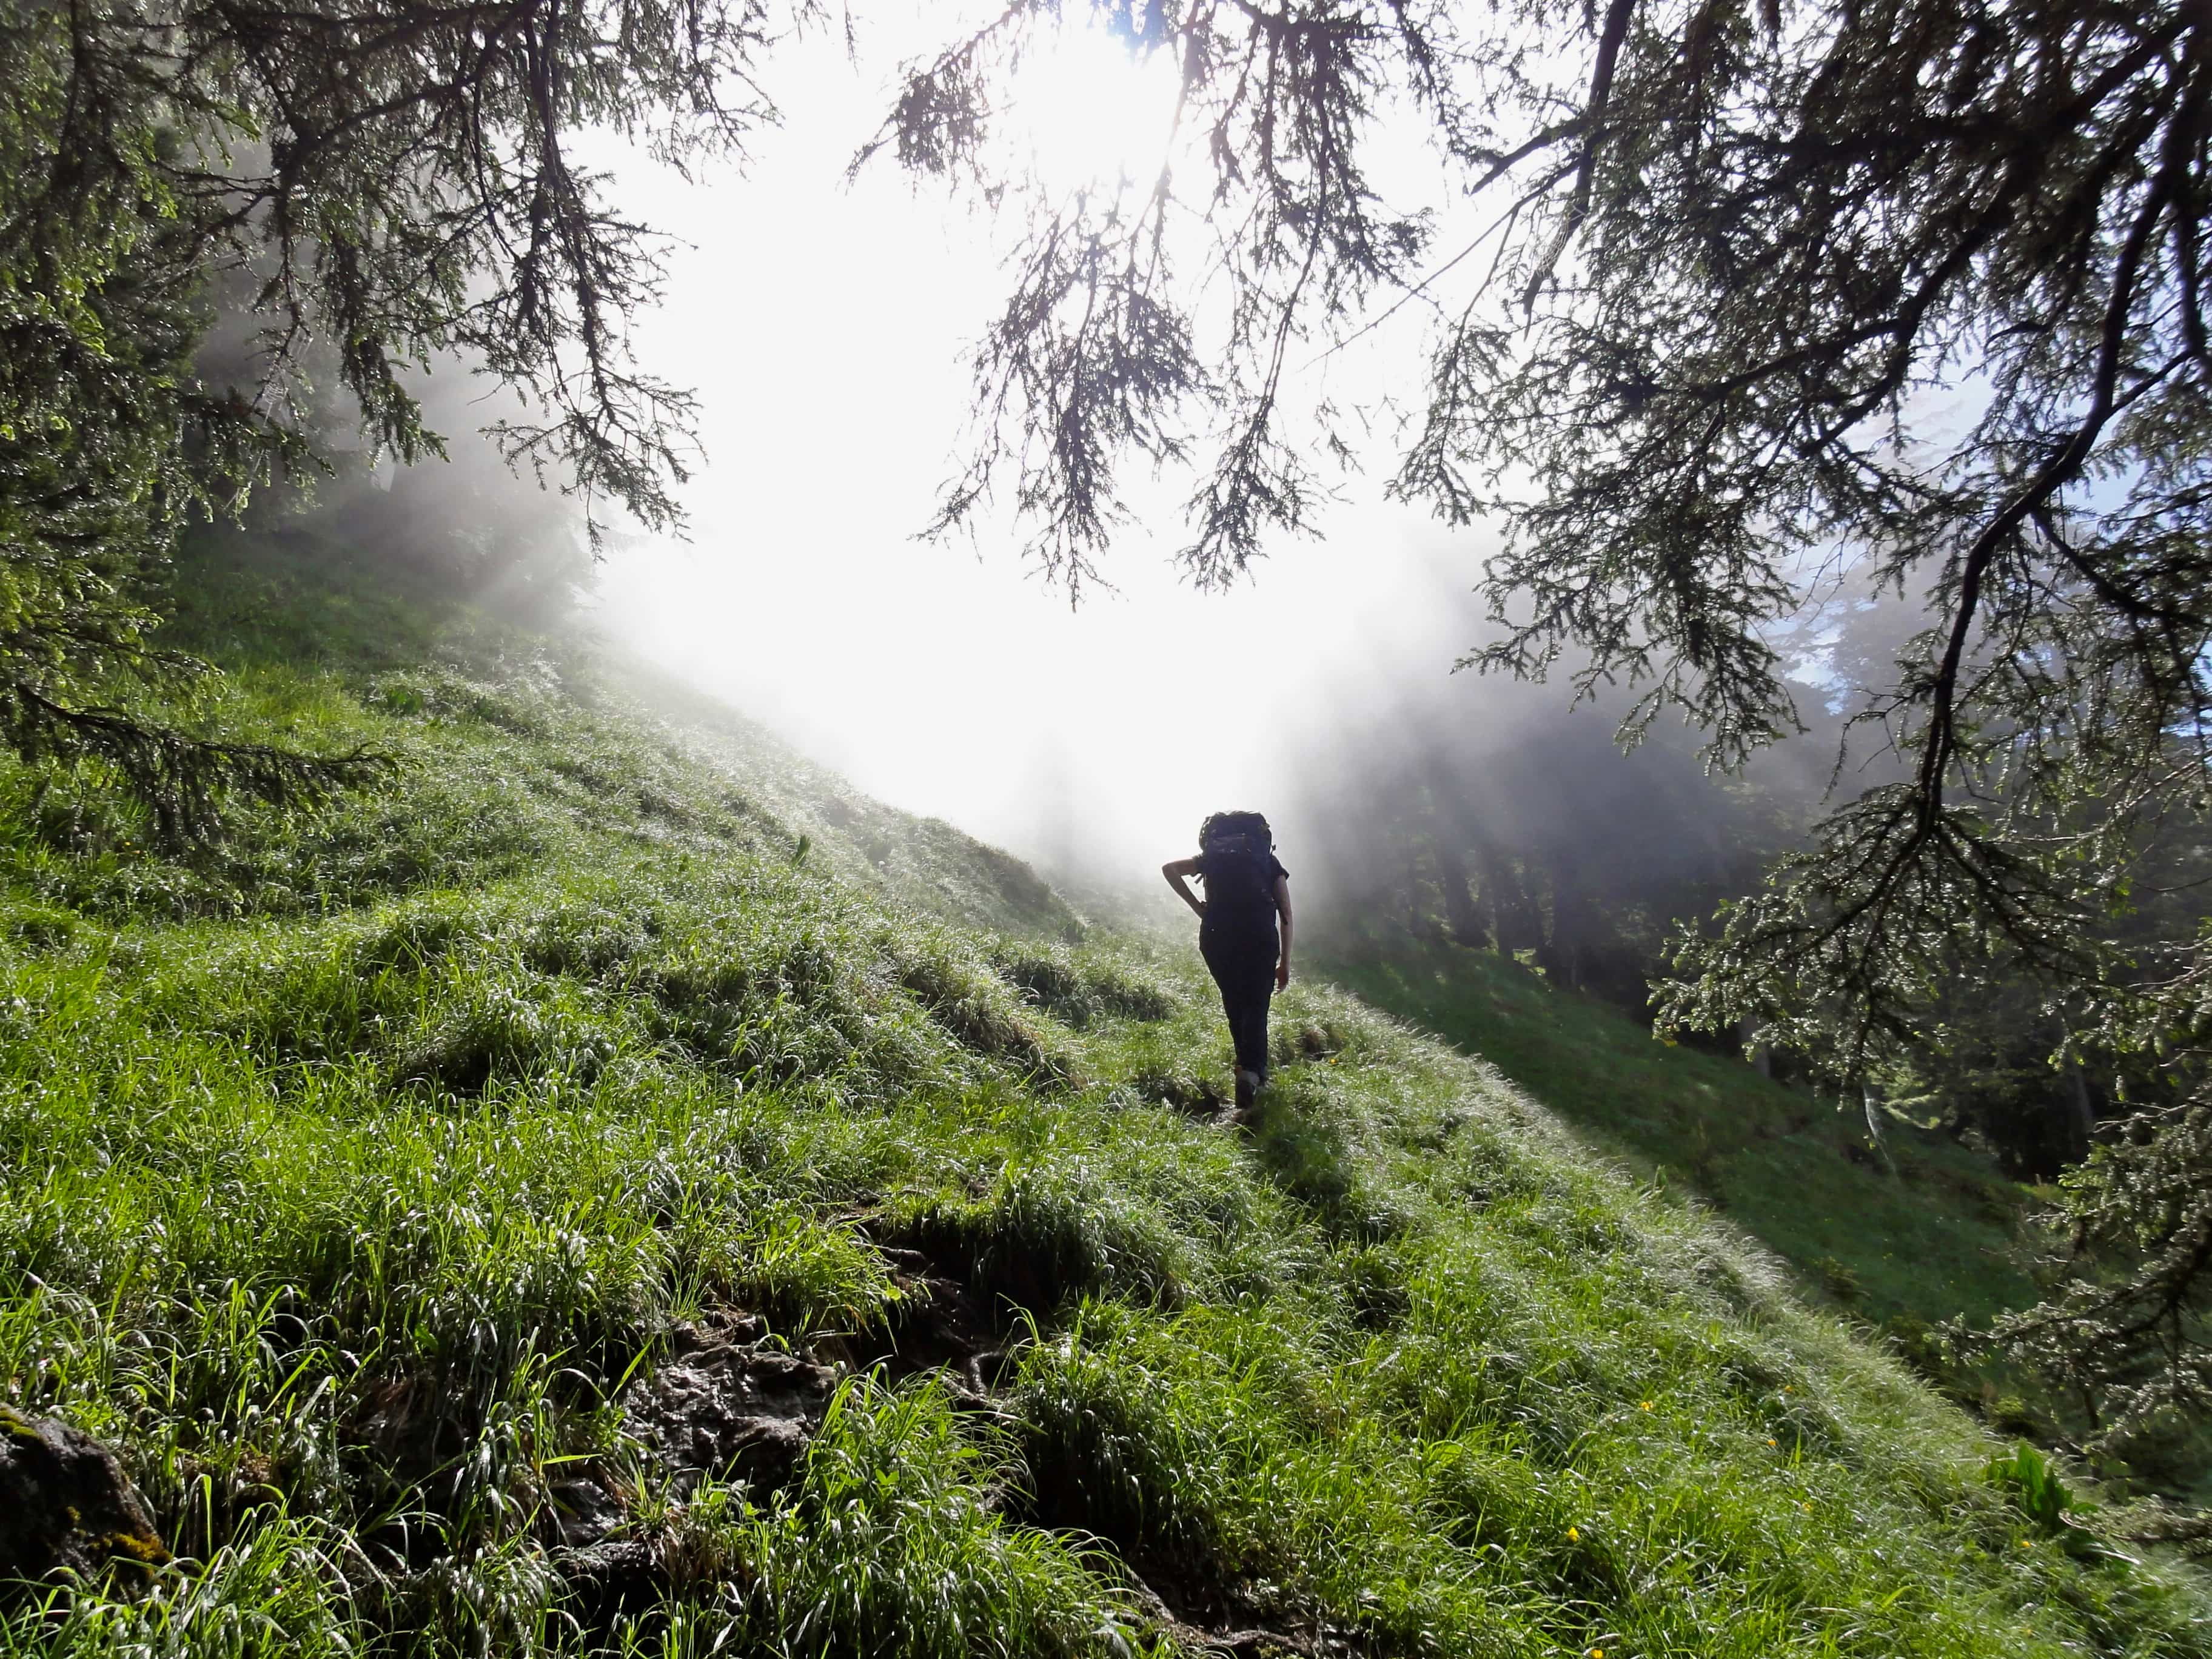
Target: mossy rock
x=66 y=1506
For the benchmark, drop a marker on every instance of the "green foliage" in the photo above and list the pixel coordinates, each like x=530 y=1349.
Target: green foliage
x=1937 y=1243
x=107 y=445
x=2026 y=1476
x=2127 y=1327
x=1839 y=1279
x=1111 y=1446
x=1079 y=989
x=924 y=1565
x=1741 y=249
x=370 y=194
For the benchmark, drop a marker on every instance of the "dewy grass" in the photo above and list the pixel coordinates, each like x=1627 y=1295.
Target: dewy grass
x=350 y=1170
x=1932 y=1242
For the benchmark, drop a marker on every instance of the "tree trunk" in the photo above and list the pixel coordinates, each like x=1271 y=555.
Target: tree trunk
x=1566 y=957
x=1518 y=928
x=2080 y=1111
x=1460 y=908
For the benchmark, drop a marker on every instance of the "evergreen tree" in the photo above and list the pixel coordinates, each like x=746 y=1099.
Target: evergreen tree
x=392 y=181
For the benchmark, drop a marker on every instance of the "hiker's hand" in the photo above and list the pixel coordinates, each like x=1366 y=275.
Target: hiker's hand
x=1282 y=975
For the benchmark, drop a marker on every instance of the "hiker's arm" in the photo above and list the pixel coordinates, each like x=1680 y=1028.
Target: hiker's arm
x=1179 y=872
x=1283 y=909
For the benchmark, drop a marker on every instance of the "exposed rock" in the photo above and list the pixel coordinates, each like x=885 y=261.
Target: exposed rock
x=723 y=1404
x=65 y=1504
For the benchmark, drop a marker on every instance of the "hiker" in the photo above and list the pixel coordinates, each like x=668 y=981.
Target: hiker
x=1246 y=889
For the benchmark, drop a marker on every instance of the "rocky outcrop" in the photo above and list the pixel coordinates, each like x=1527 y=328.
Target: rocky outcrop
x=66 y=1505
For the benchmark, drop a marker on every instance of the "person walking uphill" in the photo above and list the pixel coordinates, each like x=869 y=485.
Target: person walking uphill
x=1246 y=890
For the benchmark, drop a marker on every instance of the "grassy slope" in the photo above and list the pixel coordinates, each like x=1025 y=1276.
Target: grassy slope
x=344 y=1175
x=1931 y=1242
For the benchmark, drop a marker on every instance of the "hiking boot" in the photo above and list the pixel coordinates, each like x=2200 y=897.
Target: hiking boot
x=1248 y=1091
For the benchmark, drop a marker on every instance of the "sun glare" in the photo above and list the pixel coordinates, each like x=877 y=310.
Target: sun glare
x=1087 y=111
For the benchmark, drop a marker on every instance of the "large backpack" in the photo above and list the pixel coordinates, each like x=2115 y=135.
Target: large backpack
x=1237 y=855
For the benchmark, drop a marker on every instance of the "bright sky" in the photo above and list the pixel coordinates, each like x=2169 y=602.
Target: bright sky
x=822 y=327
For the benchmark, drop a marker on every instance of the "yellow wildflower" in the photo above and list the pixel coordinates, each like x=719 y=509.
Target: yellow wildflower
x=1573 y=1536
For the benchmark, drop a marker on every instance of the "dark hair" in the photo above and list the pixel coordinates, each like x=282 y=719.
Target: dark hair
x=1219 y=824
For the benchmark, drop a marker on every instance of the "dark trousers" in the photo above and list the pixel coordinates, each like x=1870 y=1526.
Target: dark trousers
x=1243 y=966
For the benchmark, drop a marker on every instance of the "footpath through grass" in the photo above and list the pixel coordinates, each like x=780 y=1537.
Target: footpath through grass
x=355 y=1175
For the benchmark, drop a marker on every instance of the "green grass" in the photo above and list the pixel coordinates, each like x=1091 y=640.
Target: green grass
x=1930 y=1239
x=348 y=1169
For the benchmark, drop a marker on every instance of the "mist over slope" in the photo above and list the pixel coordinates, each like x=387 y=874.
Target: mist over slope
x=542 y=1209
